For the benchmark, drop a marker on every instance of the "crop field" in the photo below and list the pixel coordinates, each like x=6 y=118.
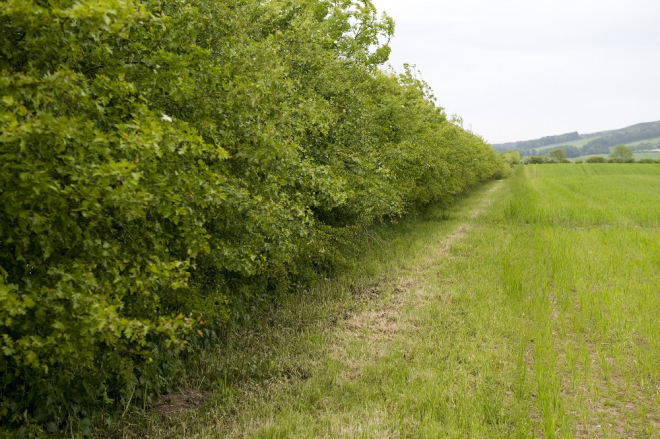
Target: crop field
x=529 y=309
x=586 y=259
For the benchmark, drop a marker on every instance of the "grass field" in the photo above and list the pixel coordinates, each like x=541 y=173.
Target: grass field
x=529 y=309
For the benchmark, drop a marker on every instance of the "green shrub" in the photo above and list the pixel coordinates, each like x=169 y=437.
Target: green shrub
x=539 y=160
x=578 y=161
x=504 y=171
x=621 y=154
x=558 y=154
x=646 y=160
x=512 y=157
x=165 y=168
x=596 y=159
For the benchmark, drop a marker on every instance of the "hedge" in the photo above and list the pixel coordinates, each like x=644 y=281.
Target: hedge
x=166 y=166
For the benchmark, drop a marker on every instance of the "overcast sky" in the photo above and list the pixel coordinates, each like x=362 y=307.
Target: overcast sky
x=523 y=69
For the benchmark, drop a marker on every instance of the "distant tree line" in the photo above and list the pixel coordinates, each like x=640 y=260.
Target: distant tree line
x=619 y=154
x=570 y=151
x=601 y=143
x=588 y=149
x=593 y=149
x=628 y=136
x=538 y=143
x=574 y=151
x=645 y=146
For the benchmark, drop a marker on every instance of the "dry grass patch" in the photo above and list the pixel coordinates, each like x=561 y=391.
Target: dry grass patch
x=376 y=327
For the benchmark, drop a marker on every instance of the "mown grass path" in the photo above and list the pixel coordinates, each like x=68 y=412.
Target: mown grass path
x=529 y=309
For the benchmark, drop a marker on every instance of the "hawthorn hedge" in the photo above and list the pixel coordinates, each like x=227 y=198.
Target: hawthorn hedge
x=167 y=165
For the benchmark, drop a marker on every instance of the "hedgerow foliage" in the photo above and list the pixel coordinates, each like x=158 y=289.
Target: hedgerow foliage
x=167 y=165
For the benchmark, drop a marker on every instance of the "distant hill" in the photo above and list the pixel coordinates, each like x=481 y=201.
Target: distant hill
x=639 y=137
x=538 y=143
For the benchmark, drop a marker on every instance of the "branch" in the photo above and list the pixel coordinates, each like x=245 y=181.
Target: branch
x=92 y=68
x=19 y=40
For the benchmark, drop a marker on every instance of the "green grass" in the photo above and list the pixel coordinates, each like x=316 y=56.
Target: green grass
x=596 y=252
x=529 y=309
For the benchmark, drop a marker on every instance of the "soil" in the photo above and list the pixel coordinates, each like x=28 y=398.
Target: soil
x=181 y=401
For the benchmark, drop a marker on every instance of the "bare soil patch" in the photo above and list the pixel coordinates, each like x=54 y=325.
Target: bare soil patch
x=181 y=401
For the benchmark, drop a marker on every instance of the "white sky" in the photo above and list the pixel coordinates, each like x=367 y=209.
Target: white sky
x=523 y=69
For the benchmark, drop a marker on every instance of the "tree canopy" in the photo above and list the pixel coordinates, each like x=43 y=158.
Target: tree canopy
x=558 y=154
x=621 y=154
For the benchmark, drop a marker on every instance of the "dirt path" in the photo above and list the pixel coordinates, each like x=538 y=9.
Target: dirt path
x=379 y=325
